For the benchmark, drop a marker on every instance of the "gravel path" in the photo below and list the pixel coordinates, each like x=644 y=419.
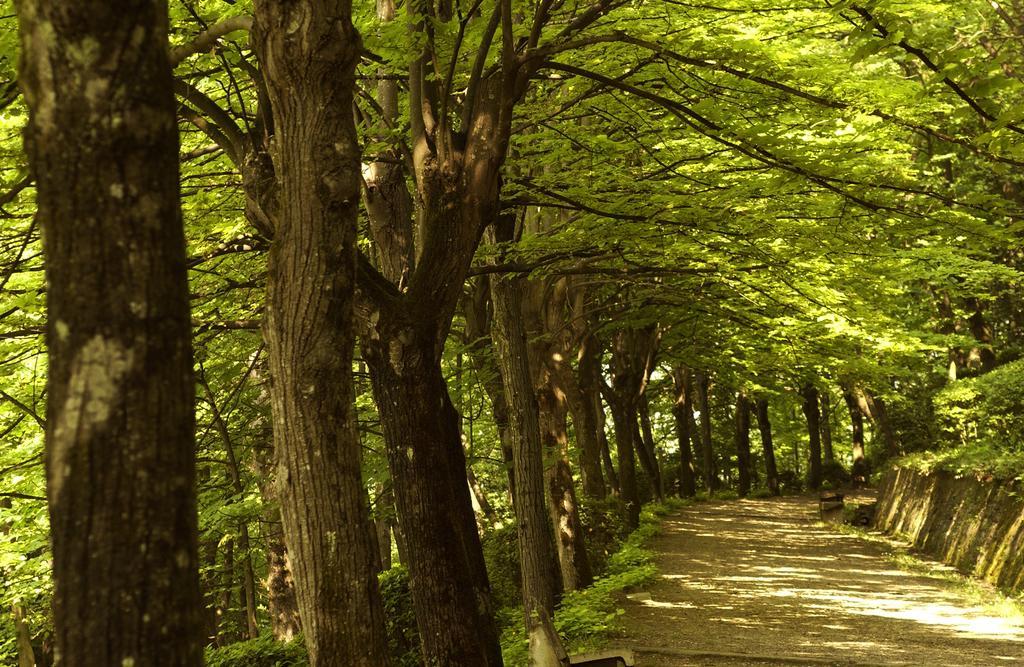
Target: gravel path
x=757 y=582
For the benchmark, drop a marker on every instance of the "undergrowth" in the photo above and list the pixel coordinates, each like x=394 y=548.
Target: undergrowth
x=585 y=618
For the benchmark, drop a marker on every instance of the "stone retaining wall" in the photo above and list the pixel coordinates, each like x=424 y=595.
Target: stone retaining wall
x=974 y=525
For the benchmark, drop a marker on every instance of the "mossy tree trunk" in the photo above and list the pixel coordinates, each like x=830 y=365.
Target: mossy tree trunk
x=120 y=445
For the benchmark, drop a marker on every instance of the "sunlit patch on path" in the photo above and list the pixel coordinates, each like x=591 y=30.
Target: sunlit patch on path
x=758 y=582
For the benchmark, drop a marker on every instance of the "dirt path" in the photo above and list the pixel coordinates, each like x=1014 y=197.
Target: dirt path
x=746 y=580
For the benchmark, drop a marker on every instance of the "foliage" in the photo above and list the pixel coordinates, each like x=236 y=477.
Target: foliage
x=985 y=410
x=501 y=555
x=585 y=617
x=399 y=617
x=265 y=651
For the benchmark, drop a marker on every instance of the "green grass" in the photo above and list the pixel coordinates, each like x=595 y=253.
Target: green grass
x=585 y=618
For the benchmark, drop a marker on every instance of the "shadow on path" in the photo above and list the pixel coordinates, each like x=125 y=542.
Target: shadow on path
x=757 y=582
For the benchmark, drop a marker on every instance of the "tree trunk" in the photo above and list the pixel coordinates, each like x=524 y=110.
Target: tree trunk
x=308 y=52
x=707 y=446
x=764 y=426
x=606 y=451
x=624 y=422
x=451 y=595
x=282 y=607
x=649 y=450
x=384 y=523
x=537 y=551
x=562 y=505
x=580 y=389
x=103 y=146
x=23 y=638
x=826 y=427
x=813 y=417
x=682 y=410
x=859 y=470
x=591 y=410
x=881 y=417
x=742 y=440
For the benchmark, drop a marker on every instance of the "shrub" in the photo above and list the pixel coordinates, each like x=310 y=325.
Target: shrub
x=265 y=651
x=603 y=529
x=988 y=409
x=399 y=618
x=501 y=556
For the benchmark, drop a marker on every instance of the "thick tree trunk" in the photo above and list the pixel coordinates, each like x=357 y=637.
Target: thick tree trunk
x=826 y=427
x=682 y=410
x=103 y=145
x=742 y=440
x=813 y=417
x=308 y=52
x=707 y=445
x=649 y=449
x=451 y=594
x=764 y=427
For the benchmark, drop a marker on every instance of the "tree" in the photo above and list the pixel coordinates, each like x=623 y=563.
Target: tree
x=682 y=410
x=120 y=438
x=309 y=51
x=813 y=416
x=742 y=439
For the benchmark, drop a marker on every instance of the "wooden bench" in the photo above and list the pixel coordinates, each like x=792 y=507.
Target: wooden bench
x=828 y=502
x=610 y=658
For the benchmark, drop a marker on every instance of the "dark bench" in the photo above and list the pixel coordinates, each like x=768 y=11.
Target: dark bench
x=828 y=502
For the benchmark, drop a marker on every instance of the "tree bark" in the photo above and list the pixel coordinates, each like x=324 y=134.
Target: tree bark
x=707 y=446
x=629 y=377
x=562 y=504
x=103 y=145
x=764 y=426
x=880 y=416
x=282 y=607
x=742 y=440
x=859 y=470
x=813 y=417
x=451 y=594
x=682 y=410
x=826 y=427
x=308 y=52
x=23 y=638
x=591 y=420
x=606 y=452
x=649 y=449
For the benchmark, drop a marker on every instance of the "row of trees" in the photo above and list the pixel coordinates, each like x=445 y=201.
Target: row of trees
x=321 y=277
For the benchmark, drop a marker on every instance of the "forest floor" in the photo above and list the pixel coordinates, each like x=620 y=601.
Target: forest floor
x=762 y=582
